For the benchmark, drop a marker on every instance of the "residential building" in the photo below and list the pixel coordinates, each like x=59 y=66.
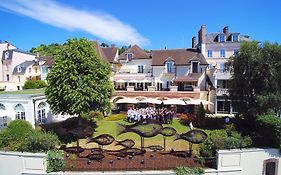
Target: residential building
x=45 y=64
x=11 y=58
x=217 y=47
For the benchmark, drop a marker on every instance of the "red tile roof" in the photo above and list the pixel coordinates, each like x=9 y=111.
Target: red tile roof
x=137 y=52
x=110 y=53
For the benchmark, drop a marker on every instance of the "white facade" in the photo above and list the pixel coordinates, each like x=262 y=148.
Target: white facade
x=31 y=108
x=132 y=66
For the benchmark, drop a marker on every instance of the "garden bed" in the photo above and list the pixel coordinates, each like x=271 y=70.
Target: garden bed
x=148 y=161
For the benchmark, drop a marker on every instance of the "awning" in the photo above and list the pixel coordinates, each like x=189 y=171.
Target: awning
x=198 y=101
x=174 y=101
x=120 y=81
x=127 y=100
x=151 y=100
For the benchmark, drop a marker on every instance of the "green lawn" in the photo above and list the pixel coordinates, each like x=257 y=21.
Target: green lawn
x=110 y=127
x=26 y=91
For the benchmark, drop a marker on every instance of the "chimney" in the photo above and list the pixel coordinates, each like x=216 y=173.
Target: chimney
x=113 y=45
x=202 y=35
x=193 y=42
x=225 y=30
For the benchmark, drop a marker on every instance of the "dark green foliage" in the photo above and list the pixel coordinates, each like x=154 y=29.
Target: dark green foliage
x=20 y=136
x=93 y=116
x=104 y=45
x=115 y=117
x=189 y=170
x=64 y=128
x=200 y=116
x=40 y=142
x=223 y=139
x=79 y=81
x=46 y=50
x=34 y=84
x=256 y=79
x=269 y=126
x=55 y=161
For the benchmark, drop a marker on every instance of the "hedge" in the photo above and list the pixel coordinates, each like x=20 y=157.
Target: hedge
x=269 y=126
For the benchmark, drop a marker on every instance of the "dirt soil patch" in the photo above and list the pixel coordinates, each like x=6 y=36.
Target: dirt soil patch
x=110 y=161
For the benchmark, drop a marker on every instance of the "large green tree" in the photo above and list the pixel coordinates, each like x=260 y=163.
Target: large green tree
x=255 y=87
x=79 y=80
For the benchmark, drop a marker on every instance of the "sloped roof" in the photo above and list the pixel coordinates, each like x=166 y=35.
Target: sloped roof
x=213 y=37
x=180 y=56
x=10 y=51
x=99 y=51
x=49 y=61
x=110 y=53
x=137 y=52
x=190 y=77
x=23 y=66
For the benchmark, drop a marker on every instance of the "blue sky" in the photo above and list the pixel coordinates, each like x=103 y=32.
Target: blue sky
x=153 y=24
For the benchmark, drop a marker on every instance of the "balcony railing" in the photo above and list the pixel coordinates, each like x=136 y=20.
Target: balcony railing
x=222 y=91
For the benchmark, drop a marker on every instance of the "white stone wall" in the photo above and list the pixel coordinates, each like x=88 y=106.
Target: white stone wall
x=132 y=66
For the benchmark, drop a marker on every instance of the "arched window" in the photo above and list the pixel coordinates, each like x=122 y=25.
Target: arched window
x=2 y=107
x=20 y=113
x=270 y=166
x=3 y=116
x=41 y=112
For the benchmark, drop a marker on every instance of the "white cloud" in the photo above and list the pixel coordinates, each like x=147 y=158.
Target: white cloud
x=102 y=25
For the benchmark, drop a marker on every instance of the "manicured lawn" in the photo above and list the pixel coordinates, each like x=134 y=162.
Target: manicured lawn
x=26 y=91
x=110 y=127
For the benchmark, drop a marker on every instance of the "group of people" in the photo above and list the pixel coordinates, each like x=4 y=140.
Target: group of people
x=163 y=115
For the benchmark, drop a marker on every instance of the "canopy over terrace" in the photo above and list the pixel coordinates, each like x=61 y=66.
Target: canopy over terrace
x=139 y=82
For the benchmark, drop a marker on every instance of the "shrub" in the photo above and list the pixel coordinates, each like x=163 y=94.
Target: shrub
x=115 y=117
x=221 y=139
x=40 y=141
x=34 y=84
x=269 y=126
x=189 y=170
x=93 y=116
x=55 y=161
x=20 y=136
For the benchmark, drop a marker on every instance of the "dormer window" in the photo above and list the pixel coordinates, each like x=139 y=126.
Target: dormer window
x=195 y=66
x=19 y=68
x=221 y=38
x=6 y=55
x=235 y=37
x=129 y=56
x=169 y=66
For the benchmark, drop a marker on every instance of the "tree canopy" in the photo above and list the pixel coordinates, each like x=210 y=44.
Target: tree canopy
x=46 y=50
x=255 y=87
x=79 y=80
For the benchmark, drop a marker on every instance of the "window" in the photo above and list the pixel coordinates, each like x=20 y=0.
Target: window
x=194 y=67
x=210 y=65
x=222 y=53
x=41 y=113
x=140 y=69
x=2 y=107
x=210 y=53
x=222 y=84
x=3 y=121
x=235 y=38
x=129 y=56
x=29 y=70
x=221 y=38
x=19 y=78
x=6 y=55
x=235 y=51
x=8 y=77
x=270 y=166
x=19 y=68
x=20 y=113
x=222 y=66
x=170 y=67
x=36 y=70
